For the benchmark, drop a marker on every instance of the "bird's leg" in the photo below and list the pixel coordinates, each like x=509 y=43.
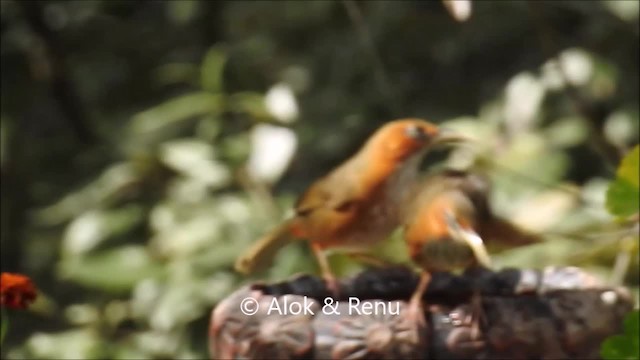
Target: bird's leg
x=481 y=260
x=415 y=311
x=368 y=259
x=329 y=279
x=478 y=317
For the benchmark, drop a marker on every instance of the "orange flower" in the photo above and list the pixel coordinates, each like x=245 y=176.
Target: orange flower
x=16 y=291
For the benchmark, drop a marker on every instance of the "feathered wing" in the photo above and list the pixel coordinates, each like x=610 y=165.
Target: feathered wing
x=494 y=230
x=326 y=197
x=499 y=232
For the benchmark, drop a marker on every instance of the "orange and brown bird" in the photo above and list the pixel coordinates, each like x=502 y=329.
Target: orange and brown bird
x=357 y=204
x=446 y=223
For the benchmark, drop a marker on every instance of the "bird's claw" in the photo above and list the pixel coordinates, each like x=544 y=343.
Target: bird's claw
x=478 y=317
x=415 y=312
x=333 y=286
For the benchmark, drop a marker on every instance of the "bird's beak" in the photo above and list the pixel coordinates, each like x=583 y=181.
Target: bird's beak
x=448 y=136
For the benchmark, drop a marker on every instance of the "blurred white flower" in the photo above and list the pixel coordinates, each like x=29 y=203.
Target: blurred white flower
x=576 y=64
x=619 y=128
x=594 y=191
x=281 y=103
x=459 y=9
x=625 y=10
x=162 y=218
x=189 y=236
x=524 y=94
x=196 y=160
x=81 y=314
x=146 y=295
x=79 y=343
x=84 y=233
x=272 y=148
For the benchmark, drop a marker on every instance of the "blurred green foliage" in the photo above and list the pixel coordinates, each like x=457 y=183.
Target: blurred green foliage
x=627 y=345
x=4 y=325
x=622 y=200
x=625 y=189
x=145 y=144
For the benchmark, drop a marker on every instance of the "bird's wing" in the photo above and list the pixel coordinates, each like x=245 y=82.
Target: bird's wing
x=495 y=231
x=475 y=186
x=335 y=192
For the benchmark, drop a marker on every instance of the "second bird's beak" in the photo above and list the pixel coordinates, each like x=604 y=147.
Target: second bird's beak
x=447 y=136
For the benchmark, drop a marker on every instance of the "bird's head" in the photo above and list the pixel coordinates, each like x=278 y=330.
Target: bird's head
x=401 y=139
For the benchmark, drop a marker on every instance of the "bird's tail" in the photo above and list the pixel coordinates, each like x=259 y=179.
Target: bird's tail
x=260 y=254
x=501 y=233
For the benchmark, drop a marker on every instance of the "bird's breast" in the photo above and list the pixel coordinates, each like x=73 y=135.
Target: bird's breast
x=382 y=216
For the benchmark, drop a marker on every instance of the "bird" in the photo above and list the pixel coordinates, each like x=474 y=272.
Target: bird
x=355 y=205
x=446 y=222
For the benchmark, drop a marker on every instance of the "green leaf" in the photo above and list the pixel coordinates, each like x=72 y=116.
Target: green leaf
x=617 y=347
x=623 y=194
x=178 y=305
x=249 y=103
x=182 y=12
x=632 y=324
x=176 y=110
x=625 y=346
x=78 y=343
x=116 y=270
x=622 y=198
x=101 y=192
x=4 y=326
x=212 y=69
x=195 y=159
x=630 y=167
x=93 y=227
x=175 y=73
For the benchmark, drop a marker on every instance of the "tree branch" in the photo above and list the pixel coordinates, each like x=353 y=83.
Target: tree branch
x=526 y=314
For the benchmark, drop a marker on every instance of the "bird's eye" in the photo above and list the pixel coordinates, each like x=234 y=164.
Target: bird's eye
x=415 y=132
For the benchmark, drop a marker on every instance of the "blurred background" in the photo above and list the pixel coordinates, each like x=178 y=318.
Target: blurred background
x=145 y=144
